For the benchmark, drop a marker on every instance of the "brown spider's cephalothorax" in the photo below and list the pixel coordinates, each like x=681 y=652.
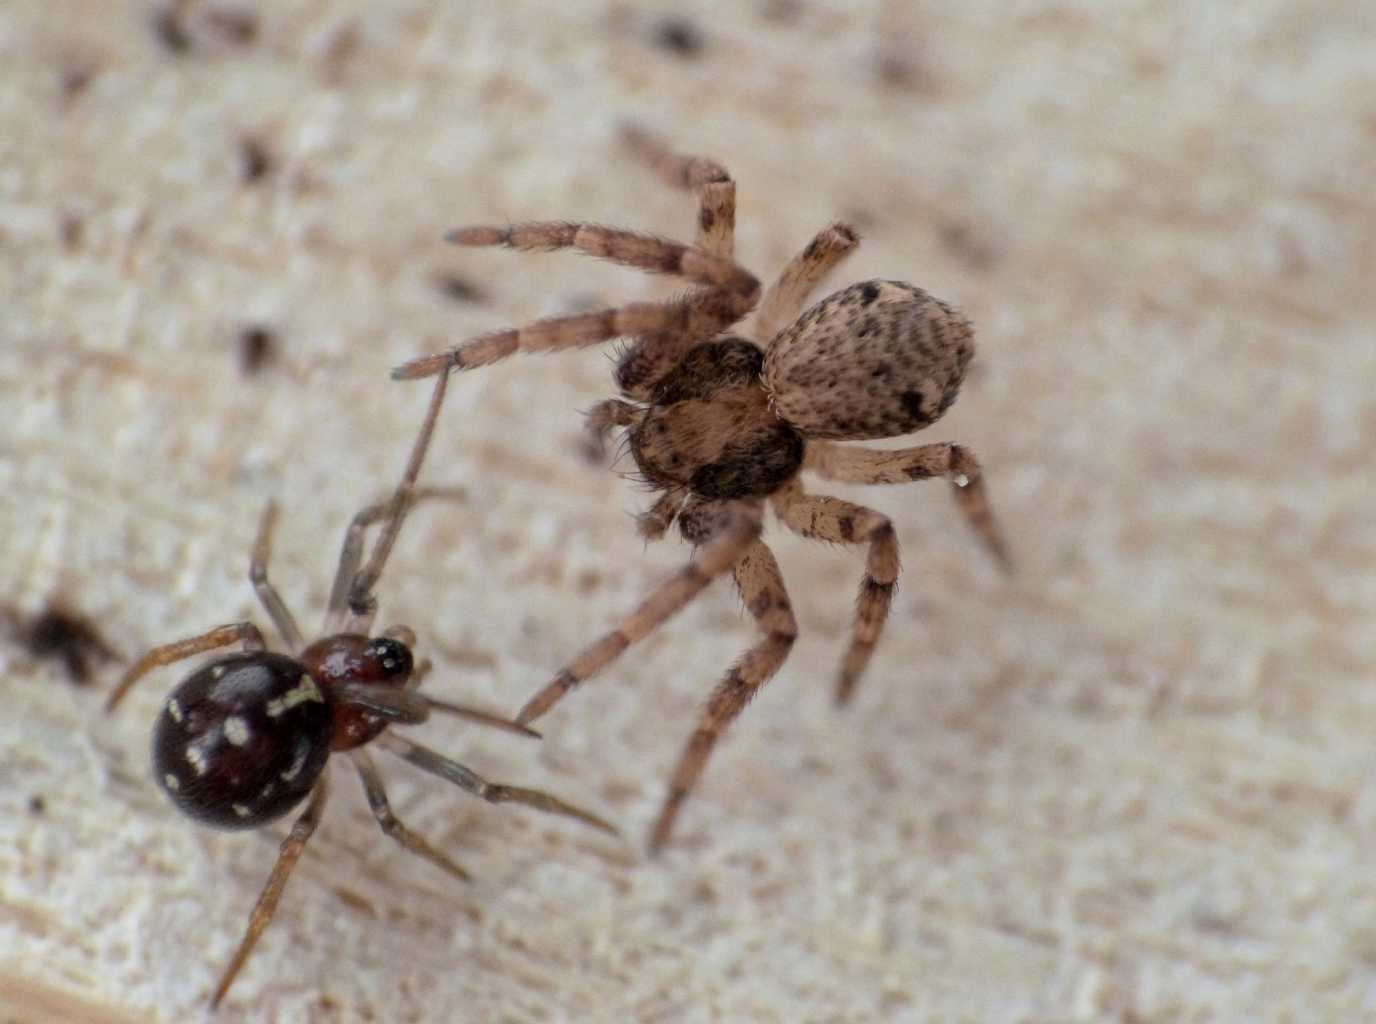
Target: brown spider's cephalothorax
x=247 y=737
x=722 y=423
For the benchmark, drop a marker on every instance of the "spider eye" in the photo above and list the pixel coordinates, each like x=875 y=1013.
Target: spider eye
x=392 y=657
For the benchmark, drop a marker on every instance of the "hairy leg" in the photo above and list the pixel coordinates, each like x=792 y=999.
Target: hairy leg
x=713 y=558
x=783 y=300
x=856 y=465
x=762 y=588
x=837 y=521
x=731 y=292
x=716 y=192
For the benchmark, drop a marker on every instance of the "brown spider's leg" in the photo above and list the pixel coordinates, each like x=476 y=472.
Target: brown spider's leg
x=411 y=708
x=732 y=292
x=605 y=416
x=783 y=300
x=361 y=602
x=716 y=192
x=245 y=633
x=708 y=562
x=391 y=825
x=762 y=588
x=831 y=519
x=495 y=793
x=856 y=465
x=267 y=594
x=292 y=848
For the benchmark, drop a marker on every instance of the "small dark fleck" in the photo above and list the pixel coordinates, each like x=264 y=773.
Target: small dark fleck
x=680 y=37
x=912 y=403
x=846 y=524
x=68 y=637
x=254 y=160
x=235 y=25
x=460 y=289
x=71 y=229
x=37 y=805
x=706 y=218
x=869 y=293
x=257 y=347
x=74 y=81
x=169 y=26
x=881 y=370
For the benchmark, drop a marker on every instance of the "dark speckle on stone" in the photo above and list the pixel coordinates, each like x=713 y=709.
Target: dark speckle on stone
x=912 y=403
x=869 y=293
x=679 y=36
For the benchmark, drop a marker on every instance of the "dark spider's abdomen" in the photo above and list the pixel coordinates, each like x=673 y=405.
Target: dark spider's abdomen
x=242 y=741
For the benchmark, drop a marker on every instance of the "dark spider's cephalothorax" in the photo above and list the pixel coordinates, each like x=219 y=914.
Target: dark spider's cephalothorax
x=723 y=423
x=247 y=737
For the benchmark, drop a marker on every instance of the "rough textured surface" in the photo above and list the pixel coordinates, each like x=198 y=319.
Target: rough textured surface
x=1134 y=784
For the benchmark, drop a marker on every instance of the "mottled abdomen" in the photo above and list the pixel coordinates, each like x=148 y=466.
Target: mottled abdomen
x=242 y=741
x=877 y=359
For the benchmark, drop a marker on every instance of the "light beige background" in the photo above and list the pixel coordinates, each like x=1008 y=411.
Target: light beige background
x=1132 y=784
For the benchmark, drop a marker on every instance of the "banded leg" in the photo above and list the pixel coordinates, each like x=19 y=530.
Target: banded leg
x=783 y=300
x=857 y=465
x=708 y=562
x=245 y=633
x=655 y=520
x=732 y=292
x=292 y=848
x=831 y=519
x=267 y=594
x=762 y=588
x=716 y=192
x=389 y=823
x=362 y=604
x=493 y=792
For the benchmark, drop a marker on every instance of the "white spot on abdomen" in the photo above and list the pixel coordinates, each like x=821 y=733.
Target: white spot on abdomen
x=299 y=694
x=237 y=730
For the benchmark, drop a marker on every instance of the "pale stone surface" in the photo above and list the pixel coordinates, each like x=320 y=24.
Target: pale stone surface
x=1131 y=784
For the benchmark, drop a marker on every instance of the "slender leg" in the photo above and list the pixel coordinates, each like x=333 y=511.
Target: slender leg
x=837 y=521
x=784 y=299
x=292 y=848
x=258 y=575
x=362 y=604
x=351 y=553
x=732 y=292
x=408 y=707
x=762 y=588
x=709 y=561
x=716 y=192
x=245 y=633
x=494 y=793
x=391 y=825
x=857 y=465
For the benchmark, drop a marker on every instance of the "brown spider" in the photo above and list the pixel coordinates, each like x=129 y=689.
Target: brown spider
x=720 y=423
x=247 y=737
